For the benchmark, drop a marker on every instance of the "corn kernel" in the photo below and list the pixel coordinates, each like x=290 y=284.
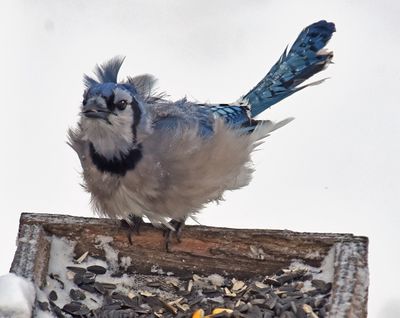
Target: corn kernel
x=217 y=311
x=199 y=313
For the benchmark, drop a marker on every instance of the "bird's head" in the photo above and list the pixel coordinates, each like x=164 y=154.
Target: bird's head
x=107 y=101
x=111 y=112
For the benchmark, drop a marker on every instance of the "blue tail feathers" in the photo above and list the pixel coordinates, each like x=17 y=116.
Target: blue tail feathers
x=306 y=57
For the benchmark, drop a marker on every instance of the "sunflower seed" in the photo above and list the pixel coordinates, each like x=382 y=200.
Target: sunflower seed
x=57 y=310
x=76 y=294
x=272 y=281
x=287 y=314
x=113 y=306
x=100 y=288
x=238 y=285
x=43 y=305
x=169 y=307
x=109 y=286
x=53 y=296
x=57 y=278
x=88 y=278
x=97 y=269
x=88 y=287
x=153 y=284
x=76 y=308
x=78 y=279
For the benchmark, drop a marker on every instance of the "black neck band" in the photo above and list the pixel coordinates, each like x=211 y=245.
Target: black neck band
x=117 y=166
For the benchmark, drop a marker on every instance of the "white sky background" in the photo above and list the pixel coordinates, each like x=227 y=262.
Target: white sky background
x=336 y=168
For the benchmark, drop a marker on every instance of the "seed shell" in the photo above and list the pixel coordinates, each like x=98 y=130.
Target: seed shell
x=53 y=296
x=76 y=294
x=97 y=269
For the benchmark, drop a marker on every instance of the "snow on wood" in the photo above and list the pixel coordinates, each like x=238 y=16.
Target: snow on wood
x=17 y=296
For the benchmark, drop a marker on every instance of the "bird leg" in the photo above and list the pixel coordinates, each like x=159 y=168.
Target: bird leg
x=178 y=226
x=133 y=224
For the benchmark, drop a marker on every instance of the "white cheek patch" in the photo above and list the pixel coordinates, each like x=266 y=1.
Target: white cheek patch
x=123 y=122
x=121 y=94
x=110 y=140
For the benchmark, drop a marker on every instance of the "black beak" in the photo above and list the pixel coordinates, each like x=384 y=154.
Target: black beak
x=94 y=111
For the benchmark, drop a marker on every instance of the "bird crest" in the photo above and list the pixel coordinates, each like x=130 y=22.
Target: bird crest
x=144 y=85
x=105 y=73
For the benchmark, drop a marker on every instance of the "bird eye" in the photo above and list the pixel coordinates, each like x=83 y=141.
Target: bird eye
x=121 y=105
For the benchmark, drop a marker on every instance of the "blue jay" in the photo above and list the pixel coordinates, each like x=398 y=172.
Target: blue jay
x=145 y=156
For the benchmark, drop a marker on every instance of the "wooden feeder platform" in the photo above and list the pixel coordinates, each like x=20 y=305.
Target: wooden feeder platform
x=239 y=253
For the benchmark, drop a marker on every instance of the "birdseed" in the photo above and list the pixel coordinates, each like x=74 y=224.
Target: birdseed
x=109 y=290
x=281 y=295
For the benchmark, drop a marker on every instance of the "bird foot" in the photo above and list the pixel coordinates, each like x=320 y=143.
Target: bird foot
x=168 y=233
x=133 y=224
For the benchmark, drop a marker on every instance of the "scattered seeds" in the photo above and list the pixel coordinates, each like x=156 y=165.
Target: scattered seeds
x=281 y=295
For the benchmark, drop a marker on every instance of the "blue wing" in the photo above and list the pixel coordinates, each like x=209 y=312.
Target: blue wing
x=183 y=115
x=234 y=116
x=187 y=115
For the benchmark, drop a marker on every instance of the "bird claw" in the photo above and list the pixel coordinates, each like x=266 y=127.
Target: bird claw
x=168 y=232
x=133 y=224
